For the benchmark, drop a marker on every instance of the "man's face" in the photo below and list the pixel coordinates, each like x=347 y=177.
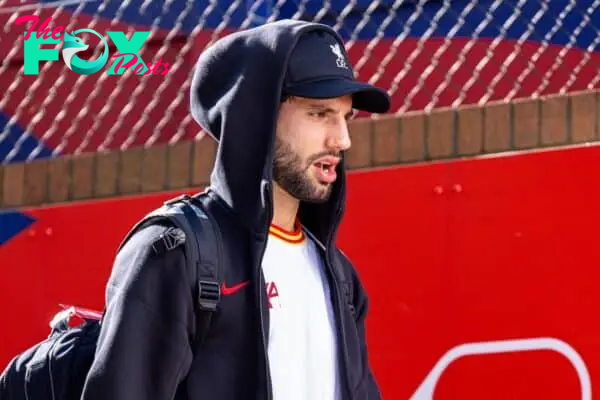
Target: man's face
x=311 y=135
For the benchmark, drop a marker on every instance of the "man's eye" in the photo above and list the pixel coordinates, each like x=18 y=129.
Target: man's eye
x=319 y=114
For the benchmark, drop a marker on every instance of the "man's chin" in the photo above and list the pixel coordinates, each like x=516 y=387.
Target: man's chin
x=310 y=191
x=321 y=193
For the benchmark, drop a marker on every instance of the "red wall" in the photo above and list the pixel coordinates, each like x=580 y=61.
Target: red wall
x=454 y=253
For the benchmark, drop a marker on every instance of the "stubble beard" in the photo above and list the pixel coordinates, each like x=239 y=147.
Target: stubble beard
x=292 y=175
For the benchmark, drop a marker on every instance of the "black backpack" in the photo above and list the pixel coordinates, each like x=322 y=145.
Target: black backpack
x=56 y=368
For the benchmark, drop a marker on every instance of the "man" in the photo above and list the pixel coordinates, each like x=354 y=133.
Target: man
x=291 y=321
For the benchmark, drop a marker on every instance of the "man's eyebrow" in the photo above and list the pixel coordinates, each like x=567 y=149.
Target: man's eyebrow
x=322 y=107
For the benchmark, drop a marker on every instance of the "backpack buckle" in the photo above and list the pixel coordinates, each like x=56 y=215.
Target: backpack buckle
x=209 y=294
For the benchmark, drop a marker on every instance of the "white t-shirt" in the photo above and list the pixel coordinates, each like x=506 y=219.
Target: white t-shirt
x=302 y=337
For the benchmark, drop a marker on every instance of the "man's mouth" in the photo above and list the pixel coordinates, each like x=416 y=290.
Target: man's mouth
x=326 y=169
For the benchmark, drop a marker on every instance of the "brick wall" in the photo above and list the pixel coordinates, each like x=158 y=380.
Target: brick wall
x=417 y=137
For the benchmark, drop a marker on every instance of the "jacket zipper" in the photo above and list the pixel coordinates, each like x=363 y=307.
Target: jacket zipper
x=340 y=301
x=261 y=286
x=341 y=335
x=261 y=290
x=341 y=298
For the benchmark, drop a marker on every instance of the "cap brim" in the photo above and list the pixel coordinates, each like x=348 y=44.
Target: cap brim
x=365 y=97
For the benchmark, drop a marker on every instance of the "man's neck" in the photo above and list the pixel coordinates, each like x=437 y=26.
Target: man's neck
x=285 y=208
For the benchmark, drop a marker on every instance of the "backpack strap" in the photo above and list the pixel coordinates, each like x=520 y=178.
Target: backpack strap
x=204 y=249
x=201 y=238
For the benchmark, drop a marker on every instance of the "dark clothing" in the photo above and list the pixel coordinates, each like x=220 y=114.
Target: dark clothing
x=144 y=349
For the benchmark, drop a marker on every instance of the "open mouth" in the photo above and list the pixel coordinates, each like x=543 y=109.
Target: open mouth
x=326 y=169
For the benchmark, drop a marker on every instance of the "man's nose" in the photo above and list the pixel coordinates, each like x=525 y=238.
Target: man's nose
x=339 y=137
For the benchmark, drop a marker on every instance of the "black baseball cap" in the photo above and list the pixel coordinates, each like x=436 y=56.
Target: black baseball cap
x=319 y=68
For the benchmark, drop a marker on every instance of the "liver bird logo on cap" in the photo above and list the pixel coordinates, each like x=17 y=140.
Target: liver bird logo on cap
x=337 y=50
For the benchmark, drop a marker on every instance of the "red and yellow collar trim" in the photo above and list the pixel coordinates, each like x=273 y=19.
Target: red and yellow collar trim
x=295 y=236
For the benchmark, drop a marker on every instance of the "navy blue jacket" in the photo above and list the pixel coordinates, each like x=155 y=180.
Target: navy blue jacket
x=144 y=350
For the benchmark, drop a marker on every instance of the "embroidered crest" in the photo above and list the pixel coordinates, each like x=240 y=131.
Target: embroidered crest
x=337 y=50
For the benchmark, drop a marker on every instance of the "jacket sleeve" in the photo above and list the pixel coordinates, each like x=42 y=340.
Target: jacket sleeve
x=143 y=351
